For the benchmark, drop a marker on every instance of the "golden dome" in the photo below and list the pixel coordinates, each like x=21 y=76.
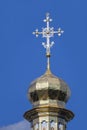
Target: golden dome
x=48 y=90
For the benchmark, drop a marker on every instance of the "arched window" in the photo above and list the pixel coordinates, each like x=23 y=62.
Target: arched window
x=60 y=126
x=44 y=125
x=37 y=126
x=52 y=125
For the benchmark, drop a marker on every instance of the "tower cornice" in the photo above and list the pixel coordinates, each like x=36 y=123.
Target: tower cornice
x=49 y=111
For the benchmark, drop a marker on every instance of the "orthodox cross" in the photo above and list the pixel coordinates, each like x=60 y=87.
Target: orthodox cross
x=47 y=33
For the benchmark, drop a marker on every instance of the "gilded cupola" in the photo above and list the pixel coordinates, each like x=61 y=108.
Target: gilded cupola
x=48 y=93
x=48 y=90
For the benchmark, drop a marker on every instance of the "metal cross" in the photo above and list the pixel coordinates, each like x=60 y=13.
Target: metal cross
x=47 y=33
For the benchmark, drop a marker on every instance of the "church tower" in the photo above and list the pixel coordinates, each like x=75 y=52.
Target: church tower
x=48 y=93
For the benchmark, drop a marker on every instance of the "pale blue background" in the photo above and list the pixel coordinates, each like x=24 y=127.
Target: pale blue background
x=22 y=57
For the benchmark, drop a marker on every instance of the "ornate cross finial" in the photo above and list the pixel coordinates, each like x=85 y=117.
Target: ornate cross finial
x=47 y=33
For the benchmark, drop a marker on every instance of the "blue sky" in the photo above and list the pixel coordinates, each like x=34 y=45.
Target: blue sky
x=22 y=57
